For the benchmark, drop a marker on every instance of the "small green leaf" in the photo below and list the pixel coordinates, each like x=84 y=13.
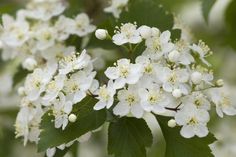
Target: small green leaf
x=87 y=120
x=206 y=8
x=19 y=75
x=177 y=146
x=128 y=137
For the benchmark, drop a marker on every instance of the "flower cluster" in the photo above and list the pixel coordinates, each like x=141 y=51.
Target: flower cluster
x=38 y=33
x=57 y=88
x=168 y=78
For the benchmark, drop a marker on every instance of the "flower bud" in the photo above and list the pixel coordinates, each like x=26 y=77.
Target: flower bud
x=196 y=77
x=21 y=91
x=220 y=83
x=145 y=31
x=101 y=34
x=29 y=64
x=177 y=93
x=172 y=123
x=174 y=56
x=72 y=118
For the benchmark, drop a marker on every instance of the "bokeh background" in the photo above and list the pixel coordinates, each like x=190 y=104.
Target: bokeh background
x=218 y=32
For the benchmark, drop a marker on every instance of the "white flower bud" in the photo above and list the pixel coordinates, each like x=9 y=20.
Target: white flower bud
x=145 y=31
x=101 y=34
x=21 y=91
x=72 y=118
x=177 y=93
x=172 y=123
x=220 y=83
x=174 y=56
x=29 y=64
x=196 y=77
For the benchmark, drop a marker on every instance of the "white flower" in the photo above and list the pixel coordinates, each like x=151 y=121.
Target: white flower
x=127 y=33
x=223 y=101
x=174 y=79
x=72 y=62
x=193 y=120
x=44 y=10
x=77 y=85
x=129 y=102
x=201 y=75
x=51 y=152
x=154 y=99
x=82 y=26
x=181 y=54
x=197 y=99
x=148 y=68
x=58 y=52
x=29 y=63
x=124 y=72
x=53 y=88
x=46 y=37
x=203 y=50
x=196 y=77
x=28 y=122
x=15 y=32
x=105 y=96
x=116 y=7
x=101 y=34
x=63 y=26
x=61 y=111
x=158 y=44
x=35 y=83
x=177 y=93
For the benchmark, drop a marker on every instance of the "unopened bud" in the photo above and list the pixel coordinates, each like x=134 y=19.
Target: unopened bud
x=220 y=83
x=101 y=34
x=72 y=118
x=29 y=64
x=172 y=123
x=196 y=77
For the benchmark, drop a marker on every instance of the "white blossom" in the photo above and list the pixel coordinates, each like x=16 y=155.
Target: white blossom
x=127 y=33
x=193 y=121
x=116 y=7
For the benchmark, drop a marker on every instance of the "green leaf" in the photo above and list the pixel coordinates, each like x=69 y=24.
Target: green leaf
x=206 y=8
x=177 y=146
x=128 y=137
x=19 y=75
x=148 y=12
x=230 y=21
x=87 y=120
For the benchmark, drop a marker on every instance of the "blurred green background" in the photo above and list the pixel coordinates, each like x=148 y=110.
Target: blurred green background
x=218 y=32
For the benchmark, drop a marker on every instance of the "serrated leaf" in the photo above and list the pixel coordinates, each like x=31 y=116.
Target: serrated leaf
x=129 y=137
x=206 y=8
x=177 y=146
x=87 y=120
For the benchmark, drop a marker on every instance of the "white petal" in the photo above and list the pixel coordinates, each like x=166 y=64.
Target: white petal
x=99 y=105
x=201 y=130
x=112 y=73
x=187 y=131
x=137 y=110
x=121 y=109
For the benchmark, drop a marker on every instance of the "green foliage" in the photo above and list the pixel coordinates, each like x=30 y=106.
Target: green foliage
x=231 y=23
x=177 y=146
x=128 y=137
x=148 y=12
x=87 y=120
x=206 y=8
x=19 y=75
